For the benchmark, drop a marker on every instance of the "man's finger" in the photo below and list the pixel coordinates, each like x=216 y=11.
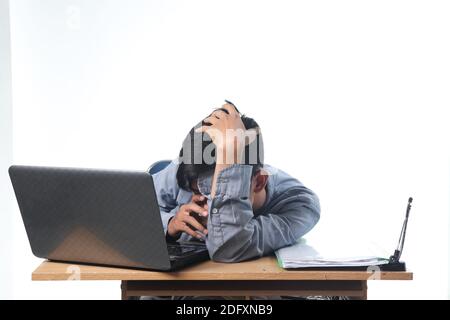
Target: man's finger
x=231 y=109
x=198 y=198
x=193 y=207
x=191 y=221
x=191 y=232
x=212 y=120
x=201 y=201
x=219 y=113
x=202 y=220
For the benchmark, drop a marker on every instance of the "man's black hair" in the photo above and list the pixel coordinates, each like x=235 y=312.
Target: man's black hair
x=192 y=163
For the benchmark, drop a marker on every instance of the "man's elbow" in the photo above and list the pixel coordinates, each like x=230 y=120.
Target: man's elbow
x=221 y=256
x=315 y=215
x=311 y=218
x=315 y=210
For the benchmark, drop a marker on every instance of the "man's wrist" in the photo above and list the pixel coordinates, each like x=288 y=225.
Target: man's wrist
x=170 y=237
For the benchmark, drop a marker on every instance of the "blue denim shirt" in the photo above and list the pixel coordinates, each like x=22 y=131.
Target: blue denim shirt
x=235 y=231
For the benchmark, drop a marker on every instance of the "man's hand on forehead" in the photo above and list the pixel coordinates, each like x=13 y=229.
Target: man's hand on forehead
x=227 y=132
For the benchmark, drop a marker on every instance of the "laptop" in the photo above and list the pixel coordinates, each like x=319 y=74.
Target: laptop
x=101 y=217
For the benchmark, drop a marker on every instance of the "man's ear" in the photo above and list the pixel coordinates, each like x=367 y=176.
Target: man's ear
x=259 y=181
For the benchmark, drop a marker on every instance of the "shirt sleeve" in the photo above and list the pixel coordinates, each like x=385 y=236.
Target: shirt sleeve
x=235 y=234
x=167 y=191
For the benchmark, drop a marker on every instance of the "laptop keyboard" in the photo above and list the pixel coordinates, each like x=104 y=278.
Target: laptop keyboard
x=178 y=250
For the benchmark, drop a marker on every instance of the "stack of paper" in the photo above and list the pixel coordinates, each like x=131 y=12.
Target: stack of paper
x=302 y=255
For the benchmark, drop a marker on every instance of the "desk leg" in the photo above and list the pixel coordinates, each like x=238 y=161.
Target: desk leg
x=123 y=288
x=363 y=295
x=125 y=294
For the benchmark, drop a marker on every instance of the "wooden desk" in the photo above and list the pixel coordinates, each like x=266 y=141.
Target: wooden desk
x=262 y=277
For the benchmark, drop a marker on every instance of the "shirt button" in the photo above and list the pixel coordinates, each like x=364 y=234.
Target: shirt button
x=215 y=210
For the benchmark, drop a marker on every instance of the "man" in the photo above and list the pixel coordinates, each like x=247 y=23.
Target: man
x=219 y=191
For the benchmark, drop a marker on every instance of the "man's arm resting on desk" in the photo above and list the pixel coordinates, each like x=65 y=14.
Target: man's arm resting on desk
x=235 y=234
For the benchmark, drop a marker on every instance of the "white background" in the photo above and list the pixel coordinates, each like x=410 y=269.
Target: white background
x=352 y=98
x=5 y=152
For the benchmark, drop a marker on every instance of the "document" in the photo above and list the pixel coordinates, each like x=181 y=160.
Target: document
x=334 y=254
